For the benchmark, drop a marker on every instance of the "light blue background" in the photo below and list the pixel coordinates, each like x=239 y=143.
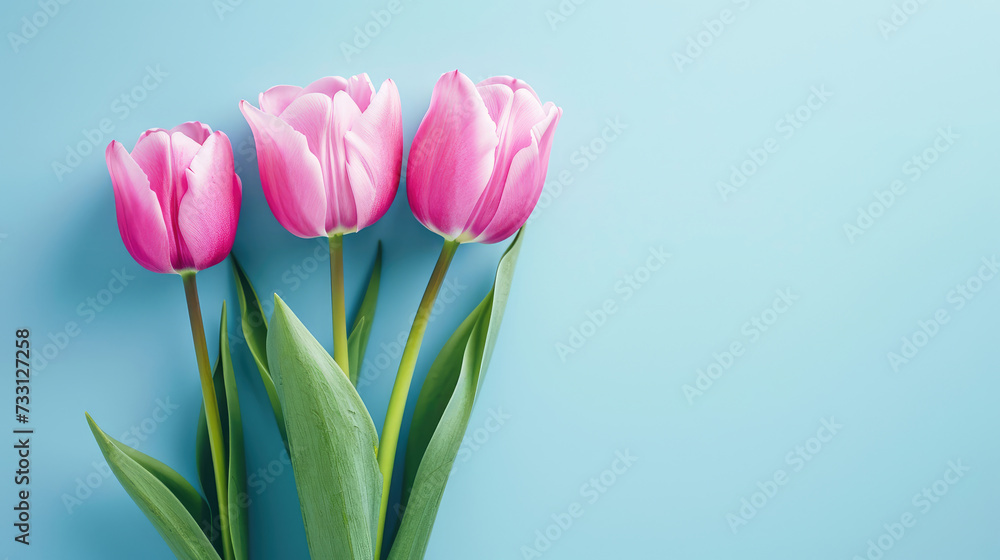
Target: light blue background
x=654 y=186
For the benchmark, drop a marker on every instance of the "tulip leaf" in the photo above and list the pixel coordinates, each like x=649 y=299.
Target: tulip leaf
x=255 y=332
x=357 y=343
x=232 y=430
x=173 y=506
x=332 y=442
x=443 y=410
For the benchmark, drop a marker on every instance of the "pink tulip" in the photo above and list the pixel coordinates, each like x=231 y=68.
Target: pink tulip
x=177 y=197
x=329 y=154
x=478 y=161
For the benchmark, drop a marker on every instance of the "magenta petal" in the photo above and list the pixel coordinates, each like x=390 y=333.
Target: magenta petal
x=290 y=174
x=140 y=221
x=517 y=112
x=210 y=210
x=274 y=100
x=375 y=155
x=520 y=194
x=452 y=155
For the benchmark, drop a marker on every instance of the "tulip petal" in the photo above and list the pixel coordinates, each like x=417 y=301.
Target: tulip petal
x=210 y=210
x=153 y=155
x=140 y=221
x=524 y=181
x=328 y=86
x=513 y=83
x=276 y=99
x=194 y=130
x=517 y=199
x=324 y=122
x=361 y=89
x=451 y=158
x=517 y=111
x=375 y=155
x=290 y=174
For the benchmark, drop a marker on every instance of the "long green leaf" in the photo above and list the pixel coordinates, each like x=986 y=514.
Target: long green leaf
x=255 y=332
x=455 y=377
x=332 y=440
x=357 y=343
x=168 y=500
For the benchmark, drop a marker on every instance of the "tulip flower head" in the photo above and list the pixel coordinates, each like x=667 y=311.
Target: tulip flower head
x=177 y=197
x=329 y=153
x=478 y=160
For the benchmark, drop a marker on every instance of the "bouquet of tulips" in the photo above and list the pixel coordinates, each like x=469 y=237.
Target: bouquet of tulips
x=330 y=156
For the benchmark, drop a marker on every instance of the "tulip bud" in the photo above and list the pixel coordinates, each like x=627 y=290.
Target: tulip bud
x=478 y=161
x=329 y=153
x=177 y=197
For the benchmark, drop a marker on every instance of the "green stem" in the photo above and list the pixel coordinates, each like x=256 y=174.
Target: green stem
x=211 y=410
x=397 y=401
x=337 y=296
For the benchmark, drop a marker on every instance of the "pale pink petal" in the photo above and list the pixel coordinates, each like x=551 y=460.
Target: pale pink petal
x=361 y=89
x=546 y=131
x=324 y=122
x=140 y=221
x=194 y=130
x=328 y=86
x=375 y=155
x=452 y=155
x=274 y=100
x=513 y=83
x=290 y=174
x=210 y=210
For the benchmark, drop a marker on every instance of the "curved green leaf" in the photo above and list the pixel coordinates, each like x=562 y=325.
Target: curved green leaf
x=357 y=343
x=332 y=442
x=455 y=377
x=255 y=332
x=168 y=501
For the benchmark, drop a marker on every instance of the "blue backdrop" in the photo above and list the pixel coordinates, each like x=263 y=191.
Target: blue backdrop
x=755 y=315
